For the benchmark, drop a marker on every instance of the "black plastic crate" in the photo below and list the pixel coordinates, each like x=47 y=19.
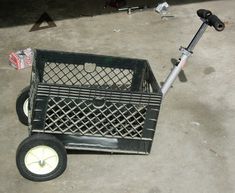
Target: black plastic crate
x=94 y=102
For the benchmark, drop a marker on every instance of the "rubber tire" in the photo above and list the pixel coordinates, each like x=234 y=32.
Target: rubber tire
x=33 y=141
x=23 y=118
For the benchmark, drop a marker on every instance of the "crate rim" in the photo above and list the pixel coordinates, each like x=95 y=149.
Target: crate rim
x=35 y=50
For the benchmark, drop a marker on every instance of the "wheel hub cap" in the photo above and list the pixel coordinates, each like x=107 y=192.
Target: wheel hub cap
x=41 y=160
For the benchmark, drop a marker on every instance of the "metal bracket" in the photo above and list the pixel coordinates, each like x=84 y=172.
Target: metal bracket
x=184 y=51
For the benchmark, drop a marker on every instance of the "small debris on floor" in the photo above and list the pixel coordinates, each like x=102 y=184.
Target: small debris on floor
x=213 y=151
x=131 y=9
x=195 y=123
x=21 y=59
x=163 y=10
x=116 y=30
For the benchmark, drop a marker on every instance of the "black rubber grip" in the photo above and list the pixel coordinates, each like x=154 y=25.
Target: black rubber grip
x=214 y=21
x=203 y=13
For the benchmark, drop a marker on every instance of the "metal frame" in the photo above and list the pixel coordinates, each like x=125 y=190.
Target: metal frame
x=186 y=53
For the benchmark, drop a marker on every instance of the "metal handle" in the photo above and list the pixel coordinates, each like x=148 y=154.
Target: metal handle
x=208 y=19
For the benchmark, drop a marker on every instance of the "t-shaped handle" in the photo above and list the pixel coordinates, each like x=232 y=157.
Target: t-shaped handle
x=210 y=19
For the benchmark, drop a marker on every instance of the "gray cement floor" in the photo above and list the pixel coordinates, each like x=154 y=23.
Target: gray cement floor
x=194 y=147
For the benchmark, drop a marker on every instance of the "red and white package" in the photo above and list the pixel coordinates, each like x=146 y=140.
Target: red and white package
x=21 y=59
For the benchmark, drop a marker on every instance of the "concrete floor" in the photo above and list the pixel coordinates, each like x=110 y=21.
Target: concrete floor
x=194 y=147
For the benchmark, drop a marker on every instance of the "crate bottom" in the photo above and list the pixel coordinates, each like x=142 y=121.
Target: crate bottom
x=72 y=147
x=104 y=144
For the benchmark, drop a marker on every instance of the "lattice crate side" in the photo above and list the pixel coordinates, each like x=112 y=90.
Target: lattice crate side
x=101 y=77
x=77 y=116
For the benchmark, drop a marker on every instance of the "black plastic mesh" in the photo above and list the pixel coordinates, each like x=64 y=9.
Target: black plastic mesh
x=88 y=75
x=66 y=115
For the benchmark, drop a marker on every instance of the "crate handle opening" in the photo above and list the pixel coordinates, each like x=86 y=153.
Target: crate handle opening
x=90 y=67
x=98 y=102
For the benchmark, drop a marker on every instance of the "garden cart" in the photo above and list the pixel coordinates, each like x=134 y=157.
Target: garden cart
x=91 y=102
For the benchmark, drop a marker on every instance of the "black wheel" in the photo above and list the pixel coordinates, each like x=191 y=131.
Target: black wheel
x=41 y=157
x=22 y=105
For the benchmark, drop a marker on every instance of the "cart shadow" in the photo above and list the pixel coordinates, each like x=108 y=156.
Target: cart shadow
x=182 y=77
